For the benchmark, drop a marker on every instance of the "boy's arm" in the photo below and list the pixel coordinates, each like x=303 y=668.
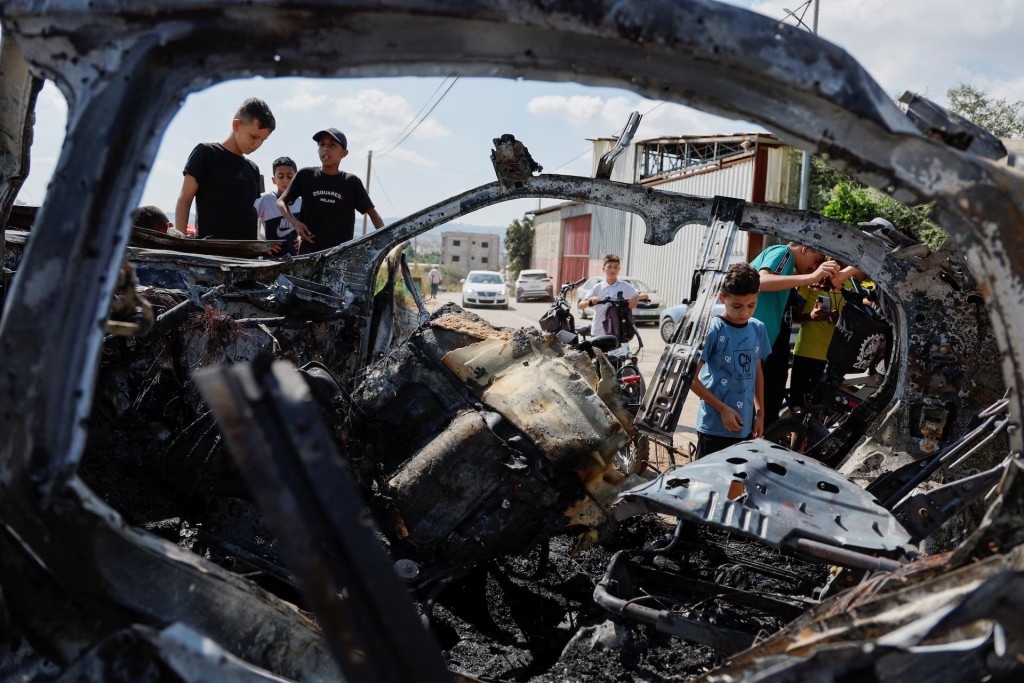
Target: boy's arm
x=189 y=188
x=772 y=282
x=845 y=274
x=375 y=218
x=730 y=418
x=758 y=429
x=300 y=227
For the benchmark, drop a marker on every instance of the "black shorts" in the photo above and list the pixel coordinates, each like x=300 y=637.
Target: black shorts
x=709 y=443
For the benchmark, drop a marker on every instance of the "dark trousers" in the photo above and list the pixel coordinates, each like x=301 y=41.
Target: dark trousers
x=803 y=379
x=776 y=368
x=709 y=443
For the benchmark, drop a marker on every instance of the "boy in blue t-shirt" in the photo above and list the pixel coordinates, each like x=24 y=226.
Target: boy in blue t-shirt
x=730 y=380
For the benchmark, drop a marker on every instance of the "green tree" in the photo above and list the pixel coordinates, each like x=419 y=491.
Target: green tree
x=1001 y=118
x=853 y=203
x=519 y=244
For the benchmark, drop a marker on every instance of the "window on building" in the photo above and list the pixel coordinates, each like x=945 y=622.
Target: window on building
x=456 y=243
x=483 y=245
x=455 y=259
x=483 y=259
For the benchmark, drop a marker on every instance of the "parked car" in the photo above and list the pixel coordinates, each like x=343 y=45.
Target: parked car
x=484 y=288
x=671 y=316
x=647 y=311
x=534 y=284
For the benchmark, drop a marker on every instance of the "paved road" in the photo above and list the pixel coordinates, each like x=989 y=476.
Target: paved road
x=527 y=313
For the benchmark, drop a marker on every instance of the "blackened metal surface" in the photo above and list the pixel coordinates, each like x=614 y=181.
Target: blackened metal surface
x=763 y=491
x=950 y=128
x=505 y=438
x=18 y=92
x=151 y=239
x=926 y=622
x=288 y=457
x=125 y=66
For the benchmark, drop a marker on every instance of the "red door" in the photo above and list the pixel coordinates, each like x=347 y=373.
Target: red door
x=575 y=249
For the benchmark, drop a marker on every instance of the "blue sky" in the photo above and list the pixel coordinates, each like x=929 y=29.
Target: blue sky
x=922 y=45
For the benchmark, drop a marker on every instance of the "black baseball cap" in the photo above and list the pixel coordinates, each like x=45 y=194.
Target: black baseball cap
x=334 y=133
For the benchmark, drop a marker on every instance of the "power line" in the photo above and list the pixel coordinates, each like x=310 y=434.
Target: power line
x=414 y=116
x=380 y=185
x=394 y=146
x=566 y=163
x=654 y=107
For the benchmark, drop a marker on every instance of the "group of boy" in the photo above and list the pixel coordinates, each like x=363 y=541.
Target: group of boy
x=310 y=209
x=741 y=374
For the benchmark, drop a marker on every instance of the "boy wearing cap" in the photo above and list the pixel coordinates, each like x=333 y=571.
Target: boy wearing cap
x=223 y=182
x=329 y=196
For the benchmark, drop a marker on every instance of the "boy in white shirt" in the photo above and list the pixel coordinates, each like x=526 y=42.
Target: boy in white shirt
x=610 y=287
x=273 y=225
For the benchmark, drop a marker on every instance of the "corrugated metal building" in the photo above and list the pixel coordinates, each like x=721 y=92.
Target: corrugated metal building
x=755 y=167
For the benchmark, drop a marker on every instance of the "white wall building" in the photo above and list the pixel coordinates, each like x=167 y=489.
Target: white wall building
x=470 y=250
x=571 y=239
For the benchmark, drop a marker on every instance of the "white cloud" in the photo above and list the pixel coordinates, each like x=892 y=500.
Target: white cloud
x=401 y=155
x=378 y=118
x=303 y=97
x=606 y=117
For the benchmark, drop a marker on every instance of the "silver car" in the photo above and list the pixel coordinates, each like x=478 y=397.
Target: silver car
x=534 y=284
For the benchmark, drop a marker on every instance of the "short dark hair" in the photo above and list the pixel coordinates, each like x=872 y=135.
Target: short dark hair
x=741 y=279
x=284 y=161
x=150 y=218
x=255 y=109
x=611 y=258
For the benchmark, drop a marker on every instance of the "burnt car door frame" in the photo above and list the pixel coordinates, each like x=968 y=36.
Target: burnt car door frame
x=124 y=72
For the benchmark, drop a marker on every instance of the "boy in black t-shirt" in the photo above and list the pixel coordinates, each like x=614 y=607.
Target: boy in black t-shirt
x=223 y=182
x=330 y=197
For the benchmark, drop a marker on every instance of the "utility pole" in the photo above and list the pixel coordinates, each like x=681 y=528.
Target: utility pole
x=805 y=168
x=369 y=164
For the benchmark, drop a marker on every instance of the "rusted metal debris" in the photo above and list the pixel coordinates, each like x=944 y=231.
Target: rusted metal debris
x=84 y=571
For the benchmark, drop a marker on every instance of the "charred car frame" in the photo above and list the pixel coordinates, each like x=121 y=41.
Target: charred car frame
x=101 y=597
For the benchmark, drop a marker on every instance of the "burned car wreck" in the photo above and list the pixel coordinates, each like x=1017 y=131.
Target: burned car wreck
x=257 y=470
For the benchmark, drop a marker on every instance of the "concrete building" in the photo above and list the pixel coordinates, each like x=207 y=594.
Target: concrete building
x=570 y=239
x=470 y=250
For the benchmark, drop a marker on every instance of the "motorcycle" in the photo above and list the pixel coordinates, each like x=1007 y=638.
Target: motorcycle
x=560 y=321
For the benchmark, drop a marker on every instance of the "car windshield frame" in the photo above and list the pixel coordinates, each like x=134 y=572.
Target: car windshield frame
x=491 y=279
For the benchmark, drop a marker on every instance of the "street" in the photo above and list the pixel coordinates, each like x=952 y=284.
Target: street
x=527 y=313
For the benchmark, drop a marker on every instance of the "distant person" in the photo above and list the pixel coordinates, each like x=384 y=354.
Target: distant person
x=274 y=225
x=434 y=276
x=330 y=197
x=610 y=287
x=223 y=182
x=781 y=268
x=730 y=378
x=153 y=218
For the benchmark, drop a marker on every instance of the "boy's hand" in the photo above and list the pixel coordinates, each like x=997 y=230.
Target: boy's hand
x=731 y=420
x=818 y=313
x=304 y=232
x=758 y=430
x=826 y=269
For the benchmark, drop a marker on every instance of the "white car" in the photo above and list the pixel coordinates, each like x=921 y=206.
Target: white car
x=534 y=284
x=645 y=312
x=484 y=288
